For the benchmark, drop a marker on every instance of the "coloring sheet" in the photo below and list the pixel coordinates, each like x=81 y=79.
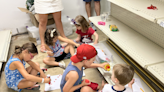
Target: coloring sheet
x=55 y=83
x=137 y=86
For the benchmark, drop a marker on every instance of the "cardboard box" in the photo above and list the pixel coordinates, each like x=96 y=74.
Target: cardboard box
x=35 y=18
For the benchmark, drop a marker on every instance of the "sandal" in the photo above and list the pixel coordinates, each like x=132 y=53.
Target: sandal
x=43 y=48
x=35 y=87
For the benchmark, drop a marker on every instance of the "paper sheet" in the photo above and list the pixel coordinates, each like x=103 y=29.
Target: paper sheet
x=102 y=55
x=55 y=83
x=137 y=86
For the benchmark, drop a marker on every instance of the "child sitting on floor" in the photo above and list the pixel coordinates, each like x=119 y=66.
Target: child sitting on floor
x=84 y=31
x=56 y=51
x=121 y=75
x=17 y=76
x=72 y=76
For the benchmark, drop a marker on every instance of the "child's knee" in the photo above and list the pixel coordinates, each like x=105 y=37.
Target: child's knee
x=70 y=45
x=30 y=83
x=86 y=89
x=37 y=64
x=44 y=60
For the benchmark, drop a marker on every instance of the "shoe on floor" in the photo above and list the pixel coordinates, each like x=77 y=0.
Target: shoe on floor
x=62 y=64
x=35 y=87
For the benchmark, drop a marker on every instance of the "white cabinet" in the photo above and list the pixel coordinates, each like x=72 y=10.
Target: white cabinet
x=5 y=37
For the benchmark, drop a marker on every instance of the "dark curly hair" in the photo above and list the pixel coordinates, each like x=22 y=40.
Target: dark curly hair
x=48 y=39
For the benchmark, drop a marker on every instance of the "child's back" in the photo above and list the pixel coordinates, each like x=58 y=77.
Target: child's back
x=69 y=68
x=121 y=75
x=110 y=88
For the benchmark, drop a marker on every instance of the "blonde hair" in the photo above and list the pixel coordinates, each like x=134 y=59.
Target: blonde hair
x=124 y=73
x=48 y=39
x=83 y=22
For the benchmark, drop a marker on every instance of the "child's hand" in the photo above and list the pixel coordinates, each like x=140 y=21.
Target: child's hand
x=43 y=75
x=47 y=80
x=84 y=83
x=50 y=53
x=131 y=82
x=94 y=43
x=102 y=85
x=77 y=45
x=103 y=65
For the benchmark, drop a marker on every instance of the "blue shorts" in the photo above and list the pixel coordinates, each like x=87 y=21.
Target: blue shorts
x=90 y=0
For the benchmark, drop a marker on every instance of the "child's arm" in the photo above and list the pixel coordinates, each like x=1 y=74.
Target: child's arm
x=50 y=53
x=68 y=41
x=78 y=38
x=96 y=37
x=101 y=87
x=93 y=65
x=72 y=78
x=19 y=66
x=47 y=47
x=36 y=67
x=131 y=83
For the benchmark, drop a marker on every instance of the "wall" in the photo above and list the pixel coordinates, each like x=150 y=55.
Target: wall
x=12 y=18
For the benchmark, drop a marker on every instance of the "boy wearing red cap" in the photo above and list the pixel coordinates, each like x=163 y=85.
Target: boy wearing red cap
x=84 y=57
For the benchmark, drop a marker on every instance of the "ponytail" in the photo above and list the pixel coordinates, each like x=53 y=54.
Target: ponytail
x=29 y=46
x=18 y=50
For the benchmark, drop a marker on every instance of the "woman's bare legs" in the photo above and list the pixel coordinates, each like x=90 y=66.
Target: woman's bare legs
x=42 y=29
x=58 y=23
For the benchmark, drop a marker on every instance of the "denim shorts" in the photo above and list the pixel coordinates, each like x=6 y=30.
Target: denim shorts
x=90 y=0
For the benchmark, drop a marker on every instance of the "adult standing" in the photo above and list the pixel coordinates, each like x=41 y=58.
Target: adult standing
x=43 y=8
x=88 y=9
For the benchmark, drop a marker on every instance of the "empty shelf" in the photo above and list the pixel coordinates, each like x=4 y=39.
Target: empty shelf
x=117 y=60
x=139 y=7
x=138 y=47
x=157 y=70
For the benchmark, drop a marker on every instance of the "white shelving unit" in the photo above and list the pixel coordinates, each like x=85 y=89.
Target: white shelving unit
x=139 y=7
x=5 y=37
x=141 y=49
x=139 y=37
x=116 y=60
x=157 y=70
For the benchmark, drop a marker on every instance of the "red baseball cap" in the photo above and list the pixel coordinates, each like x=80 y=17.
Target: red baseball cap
x=84 y=52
